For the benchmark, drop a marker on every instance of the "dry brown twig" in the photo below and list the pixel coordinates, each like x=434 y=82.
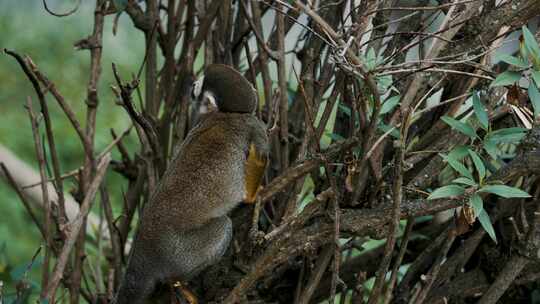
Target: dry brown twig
x=50 y=137
x=74 y=228
x=47 y=233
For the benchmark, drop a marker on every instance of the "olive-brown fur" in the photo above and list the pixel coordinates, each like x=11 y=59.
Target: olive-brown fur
x=184 y=227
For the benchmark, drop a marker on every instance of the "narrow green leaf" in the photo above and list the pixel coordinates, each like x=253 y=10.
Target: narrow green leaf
x=485 y=221
x=464 y=181
x=385 y=128
x=534 y=96
x=480 y=111
x=506 y=78
x=504 y=191
x=509 y=139
x=506 y=138
x=459 y=167
x=493 y=166
x=389 y=104
x=446 y=191
x=459 y=152
x=536 y=77
x=506 y=131
x=490 y=147
x=506 y=135
x=513 y=61
x=384 y=82
x=477 y=204
x=345 y=109
x=334 y=136
x=479 y=164
x=530 y=42
x=371 y=59
x=459 y=126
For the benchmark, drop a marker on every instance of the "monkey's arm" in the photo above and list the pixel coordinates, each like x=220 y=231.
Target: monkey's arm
x=255 y=165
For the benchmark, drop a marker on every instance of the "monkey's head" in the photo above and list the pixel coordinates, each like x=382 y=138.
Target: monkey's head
x=224 y=89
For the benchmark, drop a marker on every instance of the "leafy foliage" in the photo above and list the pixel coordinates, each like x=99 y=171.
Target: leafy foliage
x=490 y=141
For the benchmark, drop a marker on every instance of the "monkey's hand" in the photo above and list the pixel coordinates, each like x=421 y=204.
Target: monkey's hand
x=183 y=294
x=255 y=165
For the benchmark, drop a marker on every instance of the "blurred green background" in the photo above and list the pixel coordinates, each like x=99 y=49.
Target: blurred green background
x=27 y=28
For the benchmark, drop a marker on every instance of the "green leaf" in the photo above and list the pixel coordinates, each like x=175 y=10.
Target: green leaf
x=485 y=221
x=506 y=78
x=334 y=136
x=384 y=82
x=507 y=131
x=371 y=59
x=464 y=181
x=513 y=61
x=458 y=152
x=530 y=42
x=504 y=191
x=20 y=271
x=508 y=138
x=459 y=126
x=479 y=164
x=477 y=204
x=480 y=111
x=459 y=167
x=506 y=135
x=534 y=96
x=491 y=147
x=446 y=191
x=345 y=109
x=385 y=128
x=389 y=104
x=536 y=77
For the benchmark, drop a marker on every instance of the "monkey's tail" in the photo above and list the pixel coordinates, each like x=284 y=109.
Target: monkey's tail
x=136 y=286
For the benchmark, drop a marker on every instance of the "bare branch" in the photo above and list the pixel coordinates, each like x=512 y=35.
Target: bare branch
x=74 y=228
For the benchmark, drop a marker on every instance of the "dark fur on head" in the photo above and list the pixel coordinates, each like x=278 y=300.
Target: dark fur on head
x=232 y=93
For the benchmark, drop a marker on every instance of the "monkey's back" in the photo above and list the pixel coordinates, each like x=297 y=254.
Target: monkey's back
x=206 y=177
x=184 y=227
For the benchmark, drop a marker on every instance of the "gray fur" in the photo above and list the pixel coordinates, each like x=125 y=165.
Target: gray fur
x=184 y=227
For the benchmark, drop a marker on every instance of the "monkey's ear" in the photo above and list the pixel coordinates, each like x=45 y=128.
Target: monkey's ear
x=255 y=165
x=208 y=103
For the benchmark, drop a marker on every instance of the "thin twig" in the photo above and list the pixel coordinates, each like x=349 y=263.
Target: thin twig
x=50 y=137
x=397 y=190
x=68 y=13
x=257 y=33
x=148 y=128
x=402 y=250
x=51 y=87
x=75 y=227
x=430 y=69
x=320 y=267
x=40 y=154
x=434 y=271
x=284 y=100
x=23 y=199
x=115 y=237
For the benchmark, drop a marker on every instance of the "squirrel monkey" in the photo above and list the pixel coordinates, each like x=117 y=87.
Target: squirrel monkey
x=184 y=227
